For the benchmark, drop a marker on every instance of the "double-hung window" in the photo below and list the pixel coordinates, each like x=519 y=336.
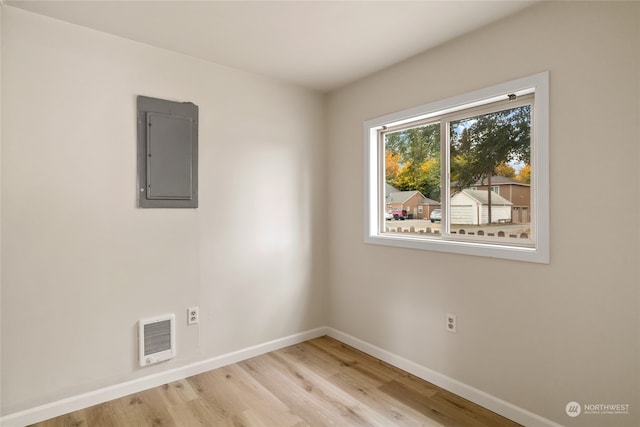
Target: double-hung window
x=467 y=175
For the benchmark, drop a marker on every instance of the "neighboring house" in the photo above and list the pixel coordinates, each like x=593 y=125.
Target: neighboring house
x=411 y=202
x=471 y=207
x=518 y=193
x=388 y=189
x=405 y=202
x=426 y=206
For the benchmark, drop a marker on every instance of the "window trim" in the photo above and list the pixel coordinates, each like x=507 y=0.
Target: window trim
x=374 y=172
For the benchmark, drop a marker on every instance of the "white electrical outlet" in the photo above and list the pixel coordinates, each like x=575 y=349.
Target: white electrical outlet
x=452 y=323
x=193 y=315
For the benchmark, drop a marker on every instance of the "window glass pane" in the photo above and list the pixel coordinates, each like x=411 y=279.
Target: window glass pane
x=490 y=156
x=412 y=178
x=489 y=201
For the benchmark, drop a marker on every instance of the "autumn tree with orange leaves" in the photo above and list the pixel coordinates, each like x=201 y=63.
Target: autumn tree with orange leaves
x=412 y=160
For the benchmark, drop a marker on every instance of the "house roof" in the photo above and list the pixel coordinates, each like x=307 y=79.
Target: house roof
x=500 y=180
x=388 y=188
x=428 y=201
x=481 y=196
x=402 y=196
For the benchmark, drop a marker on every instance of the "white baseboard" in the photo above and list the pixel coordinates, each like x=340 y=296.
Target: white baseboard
x=85 y=400
x=495 y=404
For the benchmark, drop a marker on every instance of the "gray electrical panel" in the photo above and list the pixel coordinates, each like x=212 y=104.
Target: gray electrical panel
x=167 y=154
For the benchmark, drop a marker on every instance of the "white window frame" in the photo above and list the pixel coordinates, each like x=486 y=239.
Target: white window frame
x=374 y=221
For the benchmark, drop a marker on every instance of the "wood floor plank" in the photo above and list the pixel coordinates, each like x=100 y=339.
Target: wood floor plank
x=396 y=412
x=321 y=382
x=310 y=356
x=238 y=395
x=75 y=419
x=151 y=409
x=110 y=414
x=328 y=365
x=204 y=412
x=178 y=392
x=329 y=394
x=362 y=387
x=413 y=399
x=318 y=402
x=185 y=416
x=364 y=362
x=474 y=415
x=353 y=359
x=373 y=367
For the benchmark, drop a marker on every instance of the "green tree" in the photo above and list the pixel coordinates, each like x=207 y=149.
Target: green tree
x=429 y=182
x=480 y=144
x=416 y=152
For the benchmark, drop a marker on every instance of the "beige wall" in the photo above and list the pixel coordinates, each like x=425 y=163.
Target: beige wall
x=83 y=264
x=538 y=336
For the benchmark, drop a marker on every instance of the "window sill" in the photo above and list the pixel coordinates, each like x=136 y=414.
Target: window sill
x=439 y=244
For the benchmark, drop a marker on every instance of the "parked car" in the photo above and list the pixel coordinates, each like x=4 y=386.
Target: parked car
x=388 y=215
x=399 y=214
x=436 y=215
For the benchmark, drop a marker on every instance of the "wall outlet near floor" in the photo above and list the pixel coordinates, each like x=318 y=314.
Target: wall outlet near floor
x=452 y=323
x=193 y=315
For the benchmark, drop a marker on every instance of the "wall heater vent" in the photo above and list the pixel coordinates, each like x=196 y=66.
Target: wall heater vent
x=157 y=339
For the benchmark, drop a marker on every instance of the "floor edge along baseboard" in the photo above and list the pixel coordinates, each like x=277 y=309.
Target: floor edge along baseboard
x=101 y=395
x=479 y=397
x=95 y=397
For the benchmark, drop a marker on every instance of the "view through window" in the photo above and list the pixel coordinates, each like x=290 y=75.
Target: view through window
x=472 y=173
x=489 y=188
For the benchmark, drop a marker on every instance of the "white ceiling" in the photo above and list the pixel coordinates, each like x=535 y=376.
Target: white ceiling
x=321 y=45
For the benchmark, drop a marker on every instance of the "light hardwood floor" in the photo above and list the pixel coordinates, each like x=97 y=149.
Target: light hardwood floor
x=321 y=382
